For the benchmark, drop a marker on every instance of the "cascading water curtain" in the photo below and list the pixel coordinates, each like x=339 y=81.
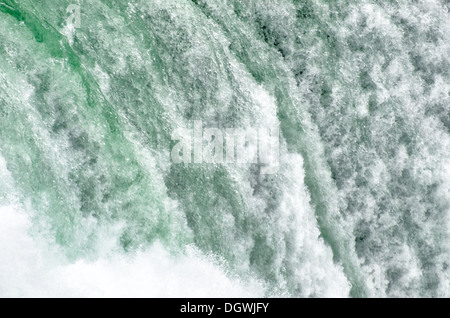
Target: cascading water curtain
x=224 y=148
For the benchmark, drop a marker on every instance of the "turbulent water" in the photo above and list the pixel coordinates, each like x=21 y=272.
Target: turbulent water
x=91 y=203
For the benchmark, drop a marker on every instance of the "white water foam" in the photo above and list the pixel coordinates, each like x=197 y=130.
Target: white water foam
x=31 y=268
